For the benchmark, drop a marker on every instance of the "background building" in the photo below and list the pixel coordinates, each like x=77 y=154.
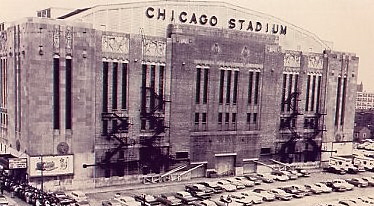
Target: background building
x=104 y=95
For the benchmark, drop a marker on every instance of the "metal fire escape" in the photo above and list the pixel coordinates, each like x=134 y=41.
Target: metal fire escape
x=289 y=123
x=117 y=132
x=152 y=156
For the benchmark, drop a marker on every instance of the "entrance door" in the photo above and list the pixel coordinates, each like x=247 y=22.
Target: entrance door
x=225 y=165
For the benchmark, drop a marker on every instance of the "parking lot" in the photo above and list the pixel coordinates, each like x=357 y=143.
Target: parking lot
x=155 y=189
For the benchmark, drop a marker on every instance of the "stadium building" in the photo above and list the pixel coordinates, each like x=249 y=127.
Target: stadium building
x=112 y=93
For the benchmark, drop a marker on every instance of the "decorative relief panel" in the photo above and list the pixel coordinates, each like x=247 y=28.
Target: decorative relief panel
x=154 y=48
x=216 y=49
x=115 y=44
x=3 y=39
x=245 y=54
x=56 y=39
x=291 y=60
x=315 y=62
x=69 y=39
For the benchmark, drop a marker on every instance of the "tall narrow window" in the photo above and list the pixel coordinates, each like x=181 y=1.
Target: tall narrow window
x=284 y=92
x=205 y=92
x=221 y=82
x=307 y=94
x=233 y=118
x=105 y=86
x=296 y=90
x=152 y=85
x=56 y=93
x=227 y=120
x=69 y=94
x=257 y=87
x=114 y=85
x=235 y=92
x=197 y=121
x=318 y=93
x=248 y=118
x=220 y=119
x=289 y=91
x=161 y=87
x=337 y=106
x=204 y=120
x=1 y=83
x=124 y=86
x=228 y=87
x=313 y=93
x=250 y=85
x=144 y=91
x=343 y=101
x=198 y=82
x=254 y=118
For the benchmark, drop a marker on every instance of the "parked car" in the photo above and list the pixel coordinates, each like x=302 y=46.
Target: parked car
x=358 y=182
x=304 y=172
x=267 y=178
x=294 y=191
x=302 y=188
x=239 y=185
x=290 y=175
x=279 y=175
x=246 y=182
x=126 y=200
x=199 y=190
x=345 y=183
x=226 y=200
x=213 y=185
x=335 y=170
x=253 y=178
x=267 y=196
x=369 y=180
x=281 y=194
x=110 y=203
x=169 y=200
x=238 y=197
x=204 y=203
x=366 y=200
x=78 y=195
x=227 y=186
x=81 y=203
x=146 y=199
x=314 y=189
x=186 y=197
x=323 y=187
x=349 y=202
x=249 y=196
x=295 y=172
x=3 y=200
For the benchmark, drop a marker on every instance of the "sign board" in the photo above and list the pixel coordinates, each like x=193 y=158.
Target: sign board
x=51 y=165
x=17 y=163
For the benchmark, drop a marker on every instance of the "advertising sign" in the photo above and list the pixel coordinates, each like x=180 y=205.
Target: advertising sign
x=17 y=163
x=51 y=165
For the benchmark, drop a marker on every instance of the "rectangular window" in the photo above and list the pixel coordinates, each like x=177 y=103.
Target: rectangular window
x=197 y=118
x=152 y=100
x=124 y=86
x=313 y=93
x=233 y=118
x=248 y=118
x=114 y=85
x=289 y=91
x=257 y=88
x=144 y=90
x=250 y=85
x=143 y=124
x=206 y=83
x=105 y=86
x=221 y=82
x=228 y=87
x=227 y=118
x=254 y=118
x=198 y=82
x=337 y=106
x=284 y=92
x=307 y=94
x=220 y=119
x=343 y=101
x=203 y=118
x=235 y=92
x=56 y=93
x=69 y=74
x=318 y=93
x=161 y=88
x=296 y=90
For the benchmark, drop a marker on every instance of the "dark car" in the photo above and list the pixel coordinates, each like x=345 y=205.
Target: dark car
x=358 y=182
x=186 y=197
x=336 y=187
x=169 y=200
x=294 y=191
x=146 y=199
x=216 y=188
x=253 y=178
x=198 y=190
x=334 y=170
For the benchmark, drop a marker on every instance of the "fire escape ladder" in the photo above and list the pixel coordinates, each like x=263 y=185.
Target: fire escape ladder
x=116 y=130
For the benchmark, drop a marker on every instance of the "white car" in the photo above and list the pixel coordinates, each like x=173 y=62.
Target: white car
x=127 y=200
x=227 y=186
x=253 y=197
x=281 y=194
x=239 y=185
x=78 y=196
x=267 y=196
x=344 y=183
x=323 y=187
x=246 y=182
x=238 y=197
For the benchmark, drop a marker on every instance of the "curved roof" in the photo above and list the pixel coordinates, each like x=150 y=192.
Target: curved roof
x=152 y=18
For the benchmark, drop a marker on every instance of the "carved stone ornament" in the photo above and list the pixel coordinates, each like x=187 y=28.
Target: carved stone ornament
x=56 y=38
x=3 y=39
x=115 y=44
x=154 y=48
x=62 y=148
x=216 y=49
x=69 y=39
x=292 y=60
x=315 y=62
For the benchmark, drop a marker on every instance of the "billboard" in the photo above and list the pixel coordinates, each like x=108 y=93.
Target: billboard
x=51 y=165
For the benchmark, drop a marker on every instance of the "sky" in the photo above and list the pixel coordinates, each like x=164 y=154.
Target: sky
x=347 y=23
